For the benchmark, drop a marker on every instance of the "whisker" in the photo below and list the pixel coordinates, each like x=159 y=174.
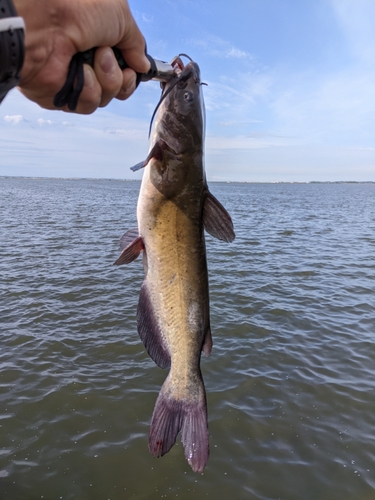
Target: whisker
x=187 y=57
x=182 y=78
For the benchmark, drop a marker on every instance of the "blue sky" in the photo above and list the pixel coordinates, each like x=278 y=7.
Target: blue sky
x=290 y=96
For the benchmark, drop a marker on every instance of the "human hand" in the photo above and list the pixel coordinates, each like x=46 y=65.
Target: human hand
x=58 y=29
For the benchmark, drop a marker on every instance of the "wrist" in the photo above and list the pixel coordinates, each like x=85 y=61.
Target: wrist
x=11 y=47
x=38 y=36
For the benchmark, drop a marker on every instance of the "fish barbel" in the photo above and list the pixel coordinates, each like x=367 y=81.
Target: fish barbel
x=174 y=207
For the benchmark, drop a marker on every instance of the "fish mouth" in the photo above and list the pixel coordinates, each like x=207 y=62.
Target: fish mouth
x=180 y=68
x=182 y=72
x=178 y=64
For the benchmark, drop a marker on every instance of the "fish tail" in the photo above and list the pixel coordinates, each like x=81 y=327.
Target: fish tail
x=172 y=415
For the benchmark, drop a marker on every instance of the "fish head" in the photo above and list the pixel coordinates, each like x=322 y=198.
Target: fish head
x=185 y=98
x=178 y=136
x=180 y=118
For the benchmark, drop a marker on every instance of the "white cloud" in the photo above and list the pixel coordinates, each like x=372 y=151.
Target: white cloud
x=236 y=53
x=218 y=47
x=142 y=17
x=146 y=19
x=104 y=144
x=13 y=119
x=336 y=108
x=249 y=142
x=235 y=123
x=42 y=122
x=159 y=47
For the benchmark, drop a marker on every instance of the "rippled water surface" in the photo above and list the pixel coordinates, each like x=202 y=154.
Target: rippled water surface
x=291 y=380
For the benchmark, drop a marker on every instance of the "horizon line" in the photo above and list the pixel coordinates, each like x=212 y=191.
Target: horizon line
x=212 y=181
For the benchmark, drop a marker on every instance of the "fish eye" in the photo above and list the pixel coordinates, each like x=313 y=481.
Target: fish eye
x=188 y=96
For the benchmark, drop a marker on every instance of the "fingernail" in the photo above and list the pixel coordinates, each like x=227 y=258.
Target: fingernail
x=107 y=63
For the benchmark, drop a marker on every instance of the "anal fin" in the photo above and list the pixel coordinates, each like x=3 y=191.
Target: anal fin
x=207 y=344
x=149 y=330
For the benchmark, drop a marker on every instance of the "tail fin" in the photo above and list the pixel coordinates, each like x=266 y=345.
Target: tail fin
x=172 y=415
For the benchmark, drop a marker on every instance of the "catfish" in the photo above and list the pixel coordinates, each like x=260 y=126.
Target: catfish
x=174 y=207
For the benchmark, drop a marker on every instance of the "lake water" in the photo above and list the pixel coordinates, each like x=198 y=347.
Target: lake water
x=290 y=382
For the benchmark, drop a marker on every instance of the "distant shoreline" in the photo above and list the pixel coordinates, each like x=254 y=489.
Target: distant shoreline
x=216 y=182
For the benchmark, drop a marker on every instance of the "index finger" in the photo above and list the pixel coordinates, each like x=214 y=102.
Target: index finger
x=133 y=48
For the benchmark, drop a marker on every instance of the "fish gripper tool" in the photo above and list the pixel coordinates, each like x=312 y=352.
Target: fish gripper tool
x=70 y=92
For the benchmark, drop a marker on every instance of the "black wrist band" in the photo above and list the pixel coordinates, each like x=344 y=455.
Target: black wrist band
x=12 y=49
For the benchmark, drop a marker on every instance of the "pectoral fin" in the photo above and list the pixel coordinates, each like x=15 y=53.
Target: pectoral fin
x=128 y=237
x=131 y=245
x=217 y=222
x=157 y=152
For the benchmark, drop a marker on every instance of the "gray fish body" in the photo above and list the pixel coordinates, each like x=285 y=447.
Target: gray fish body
x=174 y=206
